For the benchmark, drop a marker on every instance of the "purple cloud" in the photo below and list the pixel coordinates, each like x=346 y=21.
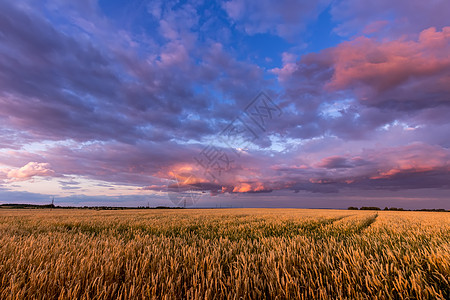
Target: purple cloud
x=130 y=102
x=388 y=18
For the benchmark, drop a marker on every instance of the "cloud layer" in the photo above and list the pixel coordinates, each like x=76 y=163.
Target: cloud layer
x=130 y=97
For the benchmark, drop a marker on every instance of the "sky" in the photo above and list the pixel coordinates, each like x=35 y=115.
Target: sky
x=241 y=103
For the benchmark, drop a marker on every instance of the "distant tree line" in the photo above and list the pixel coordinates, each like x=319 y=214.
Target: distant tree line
x=37 y=206
x=26 y=206
x=395 y=209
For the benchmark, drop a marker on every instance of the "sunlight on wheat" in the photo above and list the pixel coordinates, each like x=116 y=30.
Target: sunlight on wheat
x=207 y=254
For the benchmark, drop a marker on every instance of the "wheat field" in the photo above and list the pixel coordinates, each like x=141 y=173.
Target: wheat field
x=224 y=254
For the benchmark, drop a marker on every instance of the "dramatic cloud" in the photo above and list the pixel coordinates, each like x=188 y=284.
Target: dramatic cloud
x=110 y=99
x=75 y=89
x=404 y=75
x=359 y=86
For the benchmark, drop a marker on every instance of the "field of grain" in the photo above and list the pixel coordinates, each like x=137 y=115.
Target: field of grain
x=224 y=254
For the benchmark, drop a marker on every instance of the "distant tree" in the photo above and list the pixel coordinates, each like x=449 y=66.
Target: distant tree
x=352 y=208
x=370 y=208
x=434 y=209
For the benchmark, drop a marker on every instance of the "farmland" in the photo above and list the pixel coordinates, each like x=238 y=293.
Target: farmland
x=224 y=254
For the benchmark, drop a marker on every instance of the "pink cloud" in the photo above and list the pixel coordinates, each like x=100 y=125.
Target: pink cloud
x=404 y=166
x=375 y=26
x=399 y=75
x=415 y=158
x=29 y=171
x=385 y=163
x=380 y=66
x=335 y=161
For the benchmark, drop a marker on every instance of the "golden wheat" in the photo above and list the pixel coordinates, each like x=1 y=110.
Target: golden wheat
x=224 y=254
